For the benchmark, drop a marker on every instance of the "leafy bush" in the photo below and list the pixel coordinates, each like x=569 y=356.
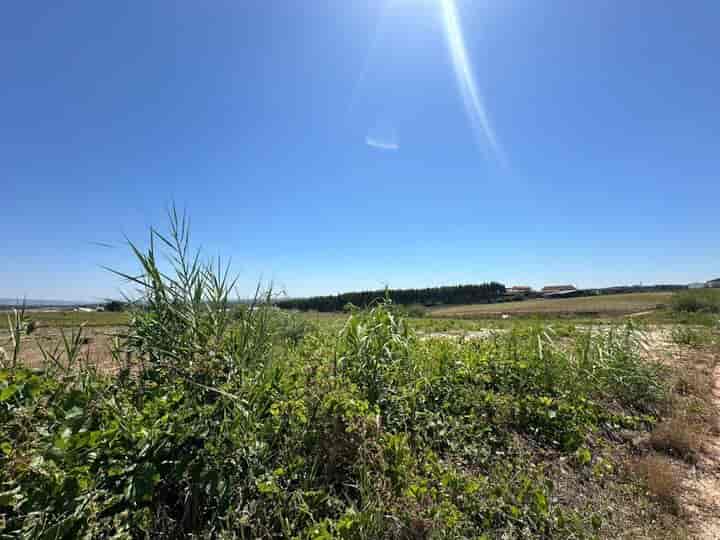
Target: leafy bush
x=374 y=350
x=291 y=328
x=696 y=301
x=115 y=306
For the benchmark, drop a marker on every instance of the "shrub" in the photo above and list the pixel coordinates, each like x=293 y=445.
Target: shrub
x=690 y=337
x=677 y=437
x=374 y=349
x=115 y=306
x=662 y=481
x=292 y=327
x=696 y=300
x=693 y=383
x=612 y=368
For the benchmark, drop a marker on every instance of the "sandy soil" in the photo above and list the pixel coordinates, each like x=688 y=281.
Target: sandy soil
x=701 y=486
x=96 y=347
x=703 y=483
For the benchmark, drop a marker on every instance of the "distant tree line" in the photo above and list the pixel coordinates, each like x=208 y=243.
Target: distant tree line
x=458 y=294
x=115 y=305
x=641 y=288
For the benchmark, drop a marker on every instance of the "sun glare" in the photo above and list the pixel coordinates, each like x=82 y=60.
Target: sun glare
x=466 y=81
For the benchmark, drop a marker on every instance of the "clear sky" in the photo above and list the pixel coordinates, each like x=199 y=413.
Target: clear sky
x=342 y=145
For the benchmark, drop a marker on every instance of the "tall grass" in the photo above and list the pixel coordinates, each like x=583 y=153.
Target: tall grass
x=184 y=322
x=18 y=325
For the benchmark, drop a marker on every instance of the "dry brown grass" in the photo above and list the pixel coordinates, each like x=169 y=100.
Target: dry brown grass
x=713 y=420
x=611 y=304
x=695 y=382
x=692 y=398
x=678 y=437
x=662 y=481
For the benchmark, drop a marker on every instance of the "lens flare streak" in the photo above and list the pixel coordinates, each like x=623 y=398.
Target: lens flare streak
x=466 y=82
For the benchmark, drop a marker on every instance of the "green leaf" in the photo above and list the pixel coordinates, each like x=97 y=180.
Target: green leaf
x=541 y=501
x=583 y=456
x=8 y=392
x=74 y=412
x=145 y=481
x=7 y=497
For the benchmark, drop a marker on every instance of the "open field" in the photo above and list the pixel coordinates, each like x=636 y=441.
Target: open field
x=69 y=319
x=221 y=421
x=99 y=330
x=602 y=305
x=575 y=310
x=96 y=346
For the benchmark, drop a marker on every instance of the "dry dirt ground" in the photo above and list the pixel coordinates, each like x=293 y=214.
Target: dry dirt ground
x=702 y=484
x=607 y=305
x=700 y=492
x=96 y=347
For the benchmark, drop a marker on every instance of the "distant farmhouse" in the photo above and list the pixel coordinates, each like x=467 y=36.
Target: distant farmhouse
x=551 y=291
x=88 y=309
x=713 y=284
x=519 y=289
x=558 y=288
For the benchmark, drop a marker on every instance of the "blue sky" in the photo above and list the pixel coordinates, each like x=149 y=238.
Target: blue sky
x=256 y=117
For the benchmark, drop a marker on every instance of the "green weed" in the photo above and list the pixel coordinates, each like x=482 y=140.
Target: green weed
x=691 y=337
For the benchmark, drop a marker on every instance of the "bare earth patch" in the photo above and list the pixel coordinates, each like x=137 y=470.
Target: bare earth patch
x=97 y=344
x=703 y=483
x=609 y=305
x=700 y=498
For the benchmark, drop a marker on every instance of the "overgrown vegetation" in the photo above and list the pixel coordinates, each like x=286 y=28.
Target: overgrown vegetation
x=691 y=336
x=697 y=301
x=115 y=306
x=244 y=422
